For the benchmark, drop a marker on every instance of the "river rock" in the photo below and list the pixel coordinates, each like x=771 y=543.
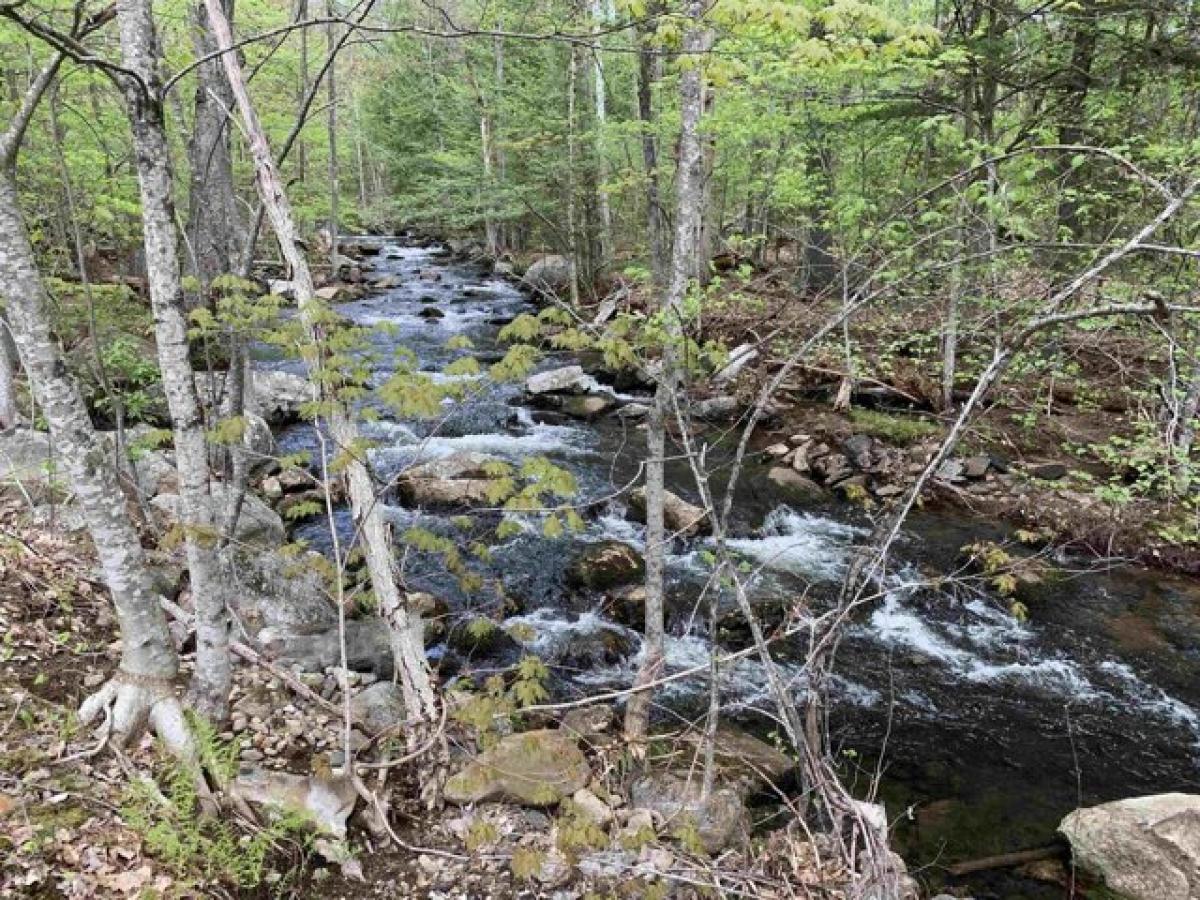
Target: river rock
x=378 y=707
x=744 y=758
x=858 y=449
x=548 y=275
x=627 y=605
x=258 y=525
x=279 y=396
x=534 y=768
x=568 y=379
x=387 y=282
x=592 y=807
x=797 y=487
x=503 y=269
x=431 y=312
x=334 y=293
x=270 y=590
x=716 y=409
x=460 y=479
x=675 y=799
x=1047 y=471
x=681 y=517
x=832 y=467
x=27 y=463
x=605 y=564
x=587 y=407
x=976 y=466
x=1144 y=848
x=368 y=647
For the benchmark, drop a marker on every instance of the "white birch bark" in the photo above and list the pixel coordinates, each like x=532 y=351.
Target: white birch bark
x=139 y=49
x=689 y=190
x=143 y=685
x=404 y=625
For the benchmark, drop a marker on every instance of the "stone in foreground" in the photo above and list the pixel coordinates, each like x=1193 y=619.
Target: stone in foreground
x=1144 y=848
x=534 y=768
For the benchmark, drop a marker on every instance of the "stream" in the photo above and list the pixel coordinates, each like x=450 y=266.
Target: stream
x=986 y=731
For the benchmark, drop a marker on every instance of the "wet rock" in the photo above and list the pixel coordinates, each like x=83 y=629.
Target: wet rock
x=534 y=768
x=675 y=799
x=797 y=487
x=460 y=479
x=605 y=564
x=548 y=275
x=378 y=707
x=587 y=407
x=680 y=517
x=387 y=282
x=480 y=638
x=1144 y=848
x=633 y=411
x=976 y=466
x=431 y=312
x=627 y=605
x=334 y=293
x=568 y=379
x=1048 y=471
x=257 y=525
x=591 y=648
x=716 y=409
x=858 y=450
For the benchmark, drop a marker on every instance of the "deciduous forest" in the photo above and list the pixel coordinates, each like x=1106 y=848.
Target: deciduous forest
x=622 y=448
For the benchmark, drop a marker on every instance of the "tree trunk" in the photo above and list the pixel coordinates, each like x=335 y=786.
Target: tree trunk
x=143 y=685
x=572 y=179
x=331 y=84
x=8 y=376
x=600 y=108
x=404 y=624
x=212 y=206
x=139 y=49
x=649 y=73
x=689 y=212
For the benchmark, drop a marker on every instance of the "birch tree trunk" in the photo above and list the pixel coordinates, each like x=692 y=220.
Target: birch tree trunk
x=689 y=192
x=139 y=50
x=405 y=628
x=331 y=84
x=8 y=375
x=649 y=73
x=600 y=108
x=143 y=686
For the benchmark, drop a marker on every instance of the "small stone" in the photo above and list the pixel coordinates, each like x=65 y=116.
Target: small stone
x=976 y=466
x=250 y=754
x=592 y=807
x=778 y=451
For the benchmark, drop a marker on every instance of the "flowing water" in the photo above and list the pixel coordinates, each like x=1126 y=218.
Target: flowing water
x=986 y=731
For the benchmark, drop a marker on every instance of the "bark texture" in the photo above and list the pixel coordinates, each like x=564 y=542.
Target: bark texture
x=140 y=53
x=213 y=230
x=404 y=624
x=689 y=215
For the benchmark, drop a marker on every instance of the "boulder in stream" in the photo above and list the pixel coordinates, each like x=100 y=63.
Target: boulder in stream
x=681 y=517
x=564 y=380
x=1144 y=848
x=796 y=487
x=533 y=768
x=606 y=564
x=549 y=275
x=460 y=479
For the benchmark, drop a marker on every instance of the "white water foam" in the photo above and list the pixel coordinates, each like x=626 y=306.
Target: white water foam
x=800 y=544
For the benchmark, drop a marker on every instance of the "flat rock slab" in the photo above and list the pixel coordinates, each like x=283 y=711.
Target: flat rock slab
x=1145 y=848
x=534 y=768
